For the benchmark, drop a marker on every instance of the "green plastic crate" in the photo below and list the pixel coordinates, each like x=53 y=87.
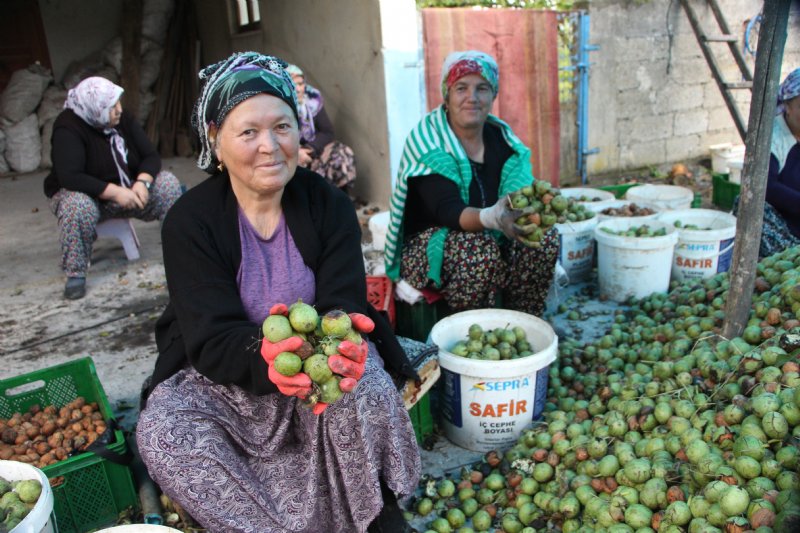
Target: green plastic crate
x=416 y=321
x=618 y=190
x=724 y=192
x=89 y=491
x=421 y=418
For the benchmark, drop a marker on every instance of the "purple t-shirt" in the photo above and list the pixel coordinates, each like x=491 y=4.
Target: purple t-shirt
x=272 y=270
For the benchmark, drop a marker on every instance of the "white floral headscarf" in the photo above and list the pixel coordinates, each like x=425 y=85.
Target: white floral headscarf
x=92 y=100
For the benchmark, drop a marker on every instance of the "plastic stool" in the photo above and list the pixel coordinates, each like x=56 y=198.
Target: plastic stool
x=122 y=229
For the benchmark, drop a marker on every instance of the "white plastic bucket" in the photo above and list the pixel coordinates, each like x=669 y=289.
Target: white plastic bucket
x=487 y=404
x=576 y=248
x=616 y=204
x=379 y=226
x=41 y=518
x=722 y=154
x=596 y=196
x=735 y=170
x=633 y=266
x=702 y=253
x=719 y=155
x=664 y=197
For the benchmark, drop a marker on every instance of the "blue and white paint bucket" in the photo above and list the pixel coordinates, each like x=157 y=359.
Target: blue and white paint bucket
x=705 y=251
x=487 y=404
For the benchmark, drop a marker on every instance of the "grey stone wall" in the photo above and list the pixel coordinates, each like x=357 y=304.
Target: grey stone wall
x=652 y=97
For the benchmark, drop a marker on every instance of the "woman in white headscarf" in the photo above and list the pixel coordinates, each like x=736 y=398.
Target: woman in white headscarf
x=103 y=167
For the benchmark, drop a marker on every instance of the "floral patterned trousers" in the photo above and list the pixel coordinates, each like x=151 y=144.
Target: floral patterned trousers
x=78 y=215
x=775 y=233
x=476 y=268
x=337 y=164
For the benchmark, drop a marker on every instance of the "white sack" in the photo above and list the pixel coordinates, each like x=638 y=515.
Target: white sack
x=52 y=104
x=23 y=145
x=24 y=92
x=47 y=142
x=156 y=16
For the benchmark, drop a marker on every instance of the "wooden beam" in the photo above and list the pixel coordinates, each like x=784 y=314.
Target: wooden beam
x=131 y=54
x=769 y=55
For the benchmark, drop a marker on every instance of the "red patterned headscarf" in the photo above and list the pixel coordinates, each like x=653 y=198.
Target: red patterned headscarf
x=460 y=64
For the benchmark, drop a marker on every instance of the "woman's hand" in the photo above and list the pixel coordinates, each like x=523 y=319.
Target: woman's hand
x=501 y=217
x=298 y=385
x=125 y=198
x=350 y=360
x=361 y=323
x=141 y=192
x=348 y=363
x=304 y=156
x=352 y=357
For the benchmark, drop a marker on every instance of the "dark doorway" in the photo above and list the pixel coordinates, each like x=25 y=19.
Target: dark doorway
x=23 y=41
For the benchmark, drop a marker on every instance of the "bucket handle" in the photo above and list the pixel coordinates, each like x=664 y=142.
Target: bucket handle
x=712 y=255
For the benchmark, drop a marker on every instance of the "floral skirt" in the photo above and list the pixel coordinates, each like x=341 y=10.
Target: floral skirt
x=775 y=233
x=476 y=268
x=337 y=164
x=239 y=462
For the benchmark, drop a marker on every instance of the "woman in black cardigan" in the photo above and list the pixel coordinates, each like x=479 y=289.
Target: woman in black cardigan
x=222 y=433
x=103 y=167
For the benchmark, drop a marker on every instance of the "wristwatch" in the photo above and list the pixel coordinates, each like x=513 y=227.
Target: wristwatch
x=147 y=184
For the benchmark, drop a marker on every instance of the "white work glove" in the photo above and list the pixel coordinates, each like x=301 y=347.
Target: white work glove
x=502 y=218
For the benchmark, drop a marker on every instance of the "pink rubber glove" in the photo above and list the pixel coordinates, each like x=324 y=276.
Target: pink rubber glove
x=350 y=361
x=361 y=323
x=355 y=352
x=279 y=309
x=319 y=407
x=270 y=350
x=298 y=385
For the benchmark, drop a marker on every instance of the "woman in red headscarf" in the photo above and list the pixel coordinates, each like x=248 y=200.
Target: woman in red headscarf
x=451 y=227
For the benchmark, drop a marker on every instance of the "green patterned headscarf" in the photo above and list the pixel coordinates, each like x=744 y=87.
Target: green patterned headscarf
x=231 y=82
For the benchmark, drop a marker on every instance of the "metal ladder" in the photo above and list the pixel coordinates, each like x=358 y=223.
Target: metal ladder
x=703 y=38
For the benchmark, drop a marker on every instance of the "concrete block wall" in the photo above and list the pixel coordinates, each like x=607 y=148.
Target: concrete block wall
x=652 y=97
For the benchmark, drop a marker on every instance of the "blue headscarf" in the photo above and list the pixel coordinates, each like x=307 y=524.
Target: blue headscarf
x=790 y=88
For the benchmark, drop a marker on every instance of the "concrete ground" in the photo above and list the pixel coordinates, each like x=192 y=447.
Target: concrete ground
x=114 y=323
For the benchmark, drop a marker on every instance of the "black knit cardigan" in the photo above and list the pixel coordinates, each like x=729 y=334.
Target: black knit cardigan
x=205 y=324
